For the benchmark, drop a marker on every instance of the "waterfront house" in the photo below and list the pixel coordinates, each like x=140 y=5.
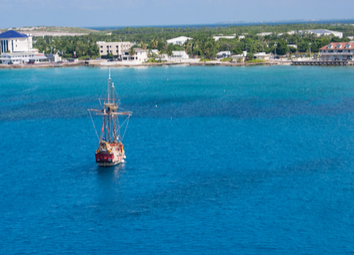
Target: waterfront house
x=223 y=54
x=261 y=55
x=139 y=56
x=179 y=55
x=53 y=58
x=16 y=48
x=337 y=51
x=240 y=58
x=179 y=40
x=116 y=48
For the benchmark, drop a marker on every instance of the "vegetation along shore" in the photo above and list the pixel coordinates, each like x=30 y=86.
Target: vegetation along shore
x=284 y=41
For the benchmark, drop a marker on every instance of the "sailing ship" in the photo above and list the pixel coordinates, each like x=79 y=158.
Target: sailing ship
x=110 y=150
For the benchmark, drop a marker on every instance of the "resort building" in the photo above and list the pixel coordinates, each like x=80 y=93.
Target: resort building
x=179 y=55
x=179 y=40
x=218 y=37
x=337 y=51
x=223 y=54
x=16 y=48
x=116 y=48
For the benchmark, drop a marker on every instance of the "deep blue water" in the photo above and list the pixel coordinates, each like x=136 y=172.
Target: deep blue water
x=220 y=160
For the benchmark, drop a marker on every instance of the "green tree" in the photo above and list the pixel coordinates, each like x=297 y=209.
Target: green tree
x=154 y=43
x=292 y=49
x=282 y=47
x=249 y=56
x=209 y=48
x=131 y=51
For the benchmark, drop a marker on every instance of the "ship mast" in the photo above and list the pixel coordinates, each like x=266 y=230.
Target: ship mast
x=114 y=126
x=111 y=133
x=109 y=109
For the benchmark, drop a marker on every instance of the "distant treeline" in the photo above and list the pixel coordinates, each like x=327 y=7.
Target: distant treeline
x=203 y=44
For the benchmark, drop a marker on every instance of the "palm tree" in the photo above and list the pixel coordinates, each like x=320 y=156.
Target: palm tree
x=154 y=43
x=143 y=46
x=131 y=52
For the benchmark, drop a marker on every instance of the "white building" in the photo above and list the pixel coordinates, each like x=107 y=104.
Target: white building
x=53 y=58
x=179 y=40
x=179 y=55
x=16 y=48
x=265 y=33
x=139 y=56
x=218 y=37
x=337 y=51
x=292 y=45
x=240 y=57
x=155 y=51
x=241 y=37
x=261 y=55
x=116 y=48
x=320 y=32
x=223 y=54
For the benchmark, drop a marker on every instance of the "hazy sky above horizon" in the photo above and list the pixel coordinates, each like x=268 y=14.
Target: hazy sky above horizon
x=91 y=13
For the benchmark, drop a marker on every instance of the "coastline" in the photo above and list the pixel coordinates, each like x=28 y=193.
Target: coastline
x=95 y=63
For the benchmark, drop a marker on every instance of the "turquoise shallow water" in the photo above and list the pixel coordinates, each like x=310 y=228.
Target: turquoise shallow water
x=219 y=160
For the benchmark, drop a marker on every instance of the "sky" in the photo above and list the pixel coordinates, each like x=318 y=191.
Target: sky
x=94 y=13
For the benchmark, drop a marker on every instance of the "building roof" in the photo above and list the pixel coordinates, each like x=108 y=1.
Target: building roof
x=180 y=38
x=12 y=34
x=343 y=45
x=322 y=31
x=139 y=50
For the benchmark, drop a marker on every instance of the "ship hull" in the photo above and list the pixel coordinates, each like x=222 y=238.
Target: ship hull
x=109 y=164
x=114 y=157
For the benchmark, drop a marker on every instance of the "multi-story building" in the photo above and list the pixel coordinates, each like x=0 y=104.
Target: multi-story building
x=337 y=51
x=140 y=55
x=17 y=48
x=116 y=48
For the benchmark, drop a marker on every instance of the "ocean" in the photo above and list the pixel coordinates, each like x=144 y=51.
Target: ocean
x=236 y=23
x=220 y=160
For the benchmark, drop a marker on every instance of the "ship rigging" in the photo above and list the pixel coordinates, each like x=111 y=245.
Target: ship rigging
x=110 y=150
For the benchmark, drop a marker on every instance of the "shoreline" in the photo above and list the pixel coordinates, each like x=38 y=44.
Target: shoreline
x=94 y=63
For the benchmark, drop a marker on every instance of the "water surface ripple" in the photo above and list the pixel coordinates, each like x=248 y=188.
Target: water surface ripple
x=220 y=160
